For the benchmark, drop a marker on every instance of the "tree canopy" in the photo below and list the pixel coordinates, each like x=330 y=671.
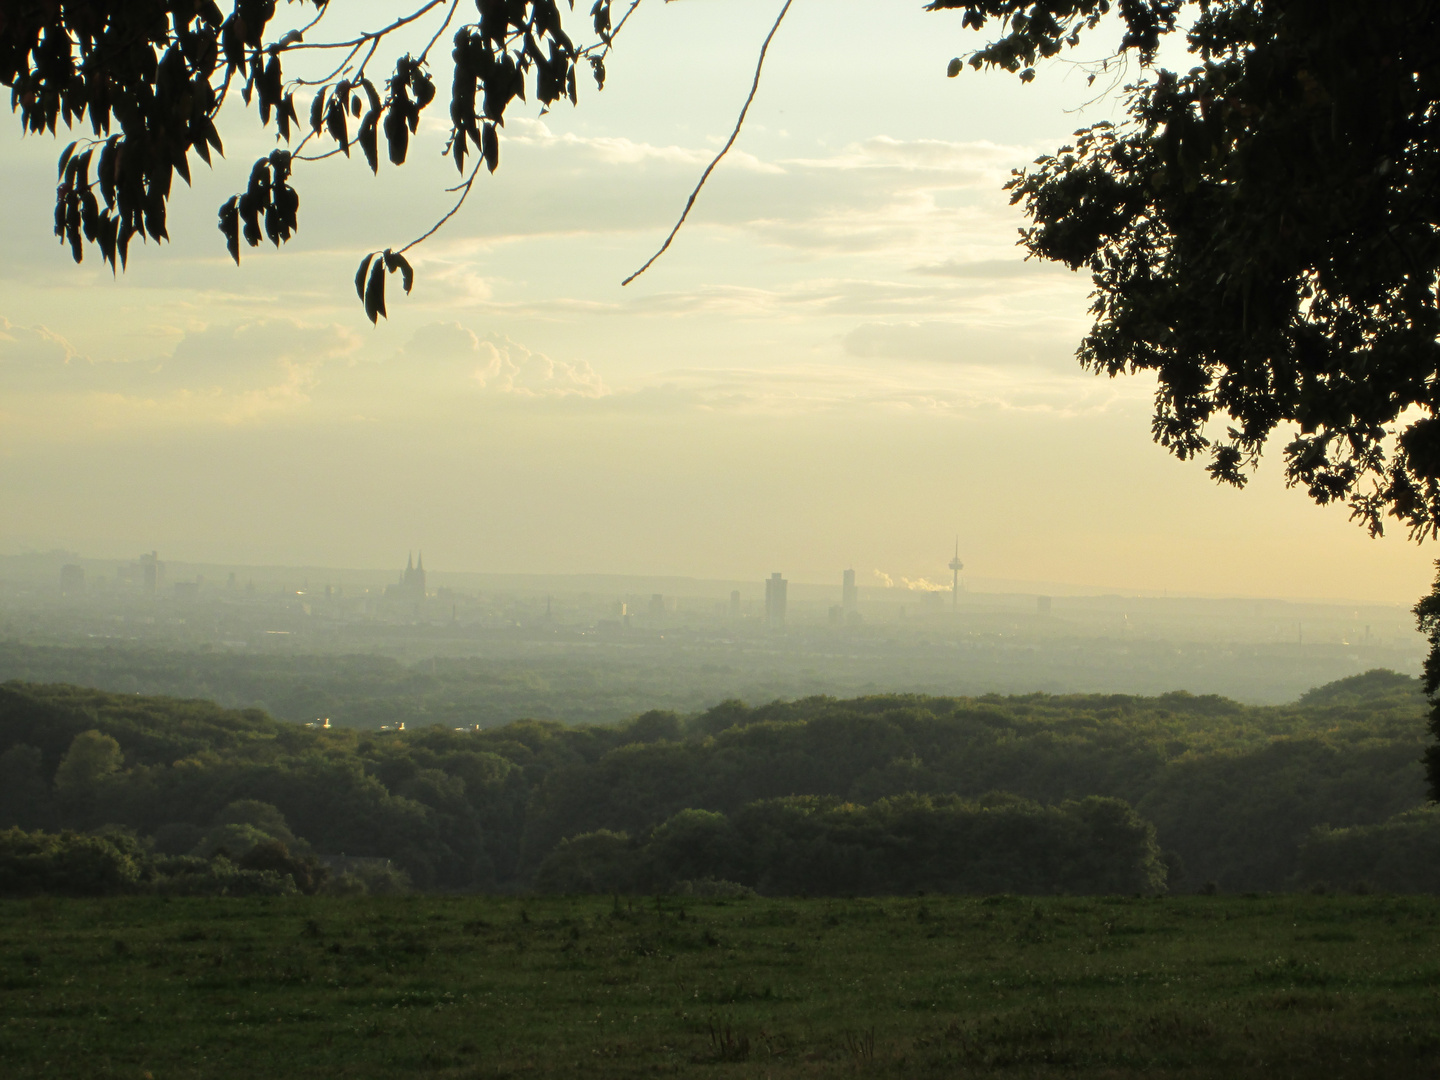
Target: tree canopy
x=884 y=793
x=1261 y=233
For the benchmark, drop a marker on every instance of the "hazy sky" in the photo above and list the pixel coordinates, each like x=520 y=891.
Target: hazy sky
x=843 y=360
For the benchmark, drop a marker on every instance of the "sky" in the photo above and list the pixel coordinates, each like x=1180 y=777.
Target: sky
x=842 y=361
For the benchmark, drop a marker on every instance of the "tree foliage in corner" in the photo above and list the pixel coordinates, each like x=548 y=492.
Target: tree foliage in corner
x=148 y=77
x=1261 y=232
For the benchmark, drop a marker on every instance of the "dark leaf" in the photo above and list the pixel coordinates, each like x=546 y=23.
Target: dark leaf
x=360 y=276
x=395 y=261
x=105 y=170
x=375 y=292
x=397 y=134
x=285 y=116
x=123 y=243
x=317 y=111
x=490 y=147
x=65 y=156
x=106 y=240
x=368 y=138
x=182 y=164
x=457 y=151
x=335 y=123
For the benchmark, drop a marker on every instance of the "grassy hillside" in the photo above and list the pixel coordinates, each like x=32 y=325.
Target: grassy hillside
x=921 y=987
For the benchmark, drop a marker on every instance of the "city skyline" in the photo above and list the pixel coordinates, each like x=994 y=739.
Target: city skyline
x=149 y=573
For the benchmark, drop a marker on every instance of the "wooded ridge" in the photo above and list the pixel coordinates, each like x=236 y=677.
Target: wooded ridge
x=885 y=794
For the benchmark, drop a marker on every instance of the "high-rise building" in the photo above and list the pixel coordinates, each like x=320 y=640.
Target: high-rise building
x=152 y=572
x=72 y=580
x=734 y=603
x=775 y=588
x=849 y=594
x=657 y=604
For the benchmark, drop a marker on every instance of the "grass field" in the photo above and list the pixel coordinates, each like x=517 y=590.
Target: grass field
x=929 y=986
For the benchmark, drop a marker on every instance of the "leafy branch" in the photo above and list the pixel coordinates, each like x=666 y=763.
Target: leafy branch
x=150 y=77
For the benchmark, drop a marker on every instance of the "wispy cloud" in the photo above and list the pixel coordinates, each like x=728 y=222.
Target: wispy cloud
x=991 y=269
x=498 y=365
x=229 y=373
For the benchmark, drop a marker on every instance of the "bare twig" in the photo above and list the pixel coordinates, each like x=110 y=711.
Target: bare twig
x=344 y=64
x=369 y=35
x=360 y=71
x=621 y=24
x=755 y=85
x=431 y=44
x=325 y=10
x=464 y=190
x=1093 y=69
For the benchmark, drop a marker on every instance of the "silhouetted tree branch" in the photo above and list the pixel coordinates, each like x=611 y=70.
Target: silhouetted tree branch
x=150 y=77
x=740 y=121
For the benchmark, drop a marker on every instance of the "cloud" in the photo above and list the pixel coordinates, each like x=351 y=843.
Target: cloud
x=920 y=198
x=967 y=163
x=225 y=373
x=32 y=347
x=501 y=366
x=990 y=269
x=610 y=150
x=254 y=353
x=992 y=334
x=961 y=390
x=932 y=341
x=35 y=358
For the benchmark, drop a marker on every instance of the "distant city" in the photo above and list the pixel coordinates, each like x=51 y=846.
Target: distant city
x=682 y=643
x=410 y=596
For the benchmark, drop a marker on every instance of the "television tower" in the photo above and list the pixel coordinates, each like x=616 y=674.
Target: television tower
x=955 y=567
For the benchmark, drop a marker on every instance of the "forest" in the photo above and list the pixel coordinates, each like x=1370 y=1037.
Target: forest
x=1034 y=794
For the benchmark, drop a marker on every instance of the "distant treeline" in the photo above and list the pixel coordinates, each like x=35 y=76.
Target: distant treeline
x=556 y=674
x=356 y=690
x=885 y=794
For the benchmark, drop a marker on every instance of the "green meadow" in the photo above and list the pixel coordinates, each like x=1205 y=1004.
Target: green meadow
x=450 y=986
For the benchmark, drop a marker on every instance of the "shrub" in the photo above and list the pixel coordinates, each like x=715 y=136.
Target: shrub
x=1401 y=855
x=594 y=862
x=68 y=864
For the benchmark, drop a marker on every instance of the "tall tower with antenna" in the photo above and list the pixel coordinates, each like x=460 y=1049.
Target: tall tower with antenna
x=955 y=567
